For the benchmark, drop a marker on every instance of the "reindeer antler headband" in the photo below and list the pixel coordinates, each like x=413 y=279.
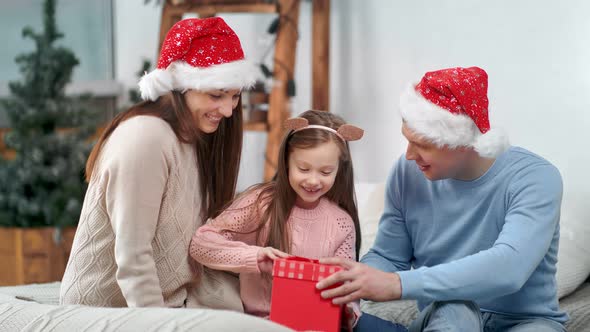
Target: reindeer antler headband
x=346 y=132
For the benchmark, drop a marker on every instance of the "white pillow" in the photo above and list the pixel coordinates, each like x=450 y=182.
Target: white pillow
x=370 y=199
x=573 y=266
x=573 y=259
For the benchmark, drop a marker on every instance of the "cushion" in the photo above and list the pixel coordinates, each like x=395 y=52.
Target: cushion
x=41 y=293
x=573 y=265
x=370 y=200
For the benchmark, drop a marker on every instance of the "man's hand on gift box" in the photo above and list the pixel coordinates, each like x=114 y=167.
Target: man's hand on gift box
x=359 y=281
x=266 y=257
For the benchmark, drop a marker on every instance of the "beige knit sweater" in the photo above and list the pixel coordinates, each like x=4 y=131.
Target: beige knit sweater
x=140 y=211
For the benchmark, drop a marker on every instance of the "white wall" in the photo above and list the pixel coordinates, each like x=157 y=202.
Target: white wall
x=137 y=28
x=535 y=52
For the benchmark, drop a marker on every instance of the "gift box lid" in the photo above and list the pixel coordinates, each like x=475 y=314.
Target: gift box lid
x=302 y=268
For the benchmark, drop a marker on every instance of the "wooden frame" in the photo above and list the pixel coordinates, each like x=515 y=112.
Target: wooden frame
x=320 y=54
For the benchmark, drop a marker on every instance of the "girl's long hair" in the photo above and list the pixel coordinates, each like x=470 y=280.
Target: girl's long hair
x=217 y=154
x=278 y=195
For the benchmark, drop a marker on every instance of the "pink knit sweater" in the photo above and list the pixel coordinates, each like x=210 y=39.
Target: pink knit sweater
x=325 y=231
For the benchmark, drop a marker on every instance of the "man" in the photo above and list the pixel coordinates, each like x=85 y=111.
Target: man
x=470 y=227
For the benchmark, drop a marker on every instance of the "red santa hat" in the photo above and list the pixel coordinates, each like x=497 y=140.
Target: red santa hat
x=450 y=107
x=200 y=54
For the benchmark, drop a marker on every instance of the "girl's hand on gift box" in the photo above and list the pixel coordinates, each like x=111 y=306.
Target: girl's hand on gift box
x=359 y=281
x=266 y=257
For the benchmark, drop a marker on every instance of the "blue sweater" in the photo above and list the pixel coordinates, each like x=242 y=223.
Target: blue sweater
x=492 y=240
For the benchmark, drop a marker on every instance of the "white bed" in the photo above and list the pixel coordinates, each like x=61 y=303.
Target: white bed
x=35 y=308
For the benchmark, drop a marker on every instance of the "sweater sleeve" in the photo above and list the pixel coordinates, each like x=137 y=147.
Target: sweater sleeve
x=530 y=223
x=347 y=248
x=392 y=250
x=228 y=242
x=136 y=169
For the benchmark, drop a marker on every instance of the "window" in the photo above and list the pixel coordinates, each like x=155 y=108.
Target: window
x=87 y=26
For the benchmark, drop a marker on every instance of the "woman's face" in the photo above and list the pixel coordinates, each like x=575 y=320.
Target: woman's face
x=210 y=107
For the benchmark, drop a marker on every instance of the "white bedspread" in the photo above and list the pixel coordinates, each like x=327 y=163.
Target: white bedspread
x=34 y=308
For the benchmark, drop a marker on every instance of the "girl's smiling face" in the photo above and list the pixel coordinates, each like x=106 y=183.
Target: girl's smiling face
x=312 y=172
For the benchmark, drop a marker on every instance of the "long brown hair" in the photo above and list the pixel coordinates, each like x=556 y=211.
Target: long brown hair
x=280 y=197
x=217 y=154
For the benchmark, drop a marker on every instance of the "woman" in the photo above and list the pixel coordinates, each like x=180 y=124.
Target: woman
x=160 y=170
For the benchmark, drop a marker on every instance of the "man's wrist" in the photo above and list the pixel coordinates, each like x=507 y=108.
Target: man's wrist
x=396 y=286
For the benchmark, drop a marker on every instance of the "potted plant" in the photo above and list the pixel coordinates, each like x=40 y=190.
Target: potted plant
x=41 y=182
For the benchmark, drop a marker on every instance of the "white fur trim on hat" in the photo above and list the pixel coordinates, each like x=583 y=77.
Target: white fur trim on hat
x=442 y=127
x=156 y=83
x=492 y=143
x=181 y=76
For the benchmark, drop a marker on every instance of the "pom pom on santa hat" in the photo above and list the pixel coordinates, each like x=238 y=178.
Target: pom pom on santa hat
x=200 y=54
x=449 y=107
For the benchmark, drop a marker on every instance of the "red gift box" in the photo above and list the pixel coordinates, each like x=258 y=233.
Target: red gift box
x=296 y=302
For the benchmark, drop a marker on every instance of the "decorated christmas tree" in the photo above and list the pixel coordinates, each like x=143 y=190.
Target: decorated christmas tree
x=50 y=133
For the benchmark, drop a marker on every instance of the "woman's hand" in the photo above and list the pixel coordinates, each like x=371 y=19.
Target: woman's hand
x=266 y=257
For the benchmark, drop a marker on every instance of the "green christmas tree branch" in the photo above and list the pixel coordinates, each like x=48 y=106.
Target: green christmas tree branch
x=50 y=133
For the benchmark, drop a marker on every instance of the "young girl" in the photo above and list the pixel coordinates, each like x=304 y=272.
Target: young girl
x=160 y=170
x=307 y=210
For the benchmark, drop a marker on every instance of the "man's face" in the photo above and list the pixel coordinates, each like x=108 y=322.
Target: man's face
x=435 y=162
